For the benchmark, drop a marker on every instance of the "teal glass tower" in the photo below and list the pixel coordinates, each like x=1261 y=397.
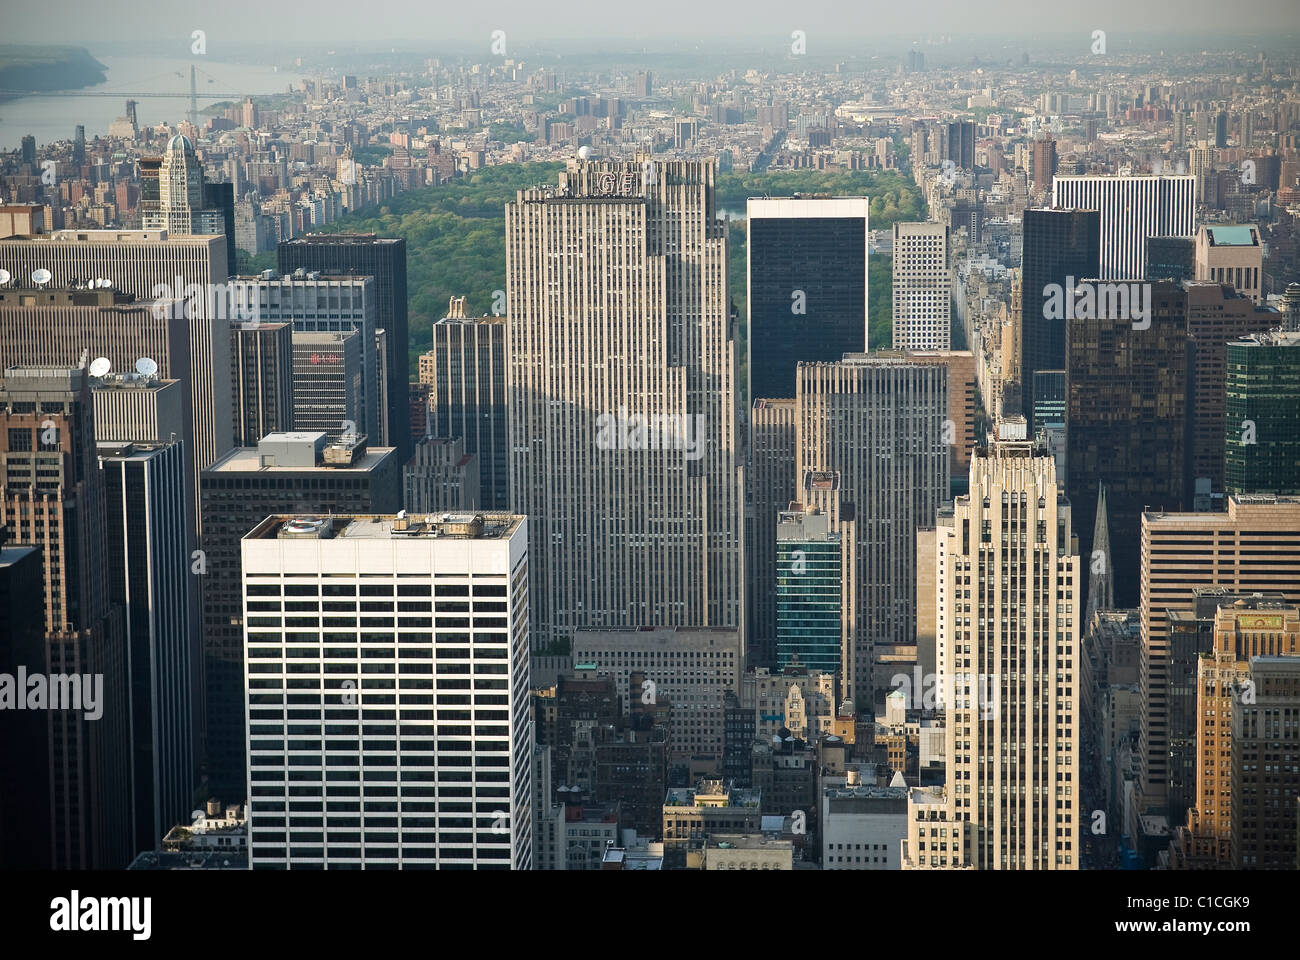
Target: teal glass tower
x=807 y=591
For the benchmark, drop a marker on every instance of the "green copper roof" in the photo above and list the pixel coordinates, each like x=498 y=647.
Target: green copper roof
x=1231 y=236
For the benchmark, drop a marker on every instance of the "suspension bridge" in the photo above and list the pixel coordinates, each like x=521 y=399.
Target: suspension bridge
x=193 y=93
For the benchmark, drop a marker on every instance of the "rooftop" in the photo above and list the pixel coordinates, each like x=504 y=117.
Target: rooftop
x=443 y=526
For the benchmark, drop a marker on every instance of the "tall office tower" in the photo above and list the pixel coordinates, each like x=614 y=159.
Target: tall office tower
x=79 y=145
x=1190 y=637
x=960 y=146
x=29 y=150
x=1171 y=258
x=1180 y=128
x=365 y=255
x=1200 y=164
x=1247 y=128
x=148 y=265
x=1130 y=439
x=1012 y=745
x=451 y=788
x=1265 y=782
x=771 y=488
x=1231 y=255
x=963 y=393
x=1221 y=129
x=808 y=586
x=1060 y=247
x=328 y=377
x=629 y=473
x=331 y=304
x=420 y=396
x=25 y=811
x=1216 y=315
x=176 y=197
x=440 y=476
x=53 y=497
x=262 y=375
x=1247 y=629
x=149 y=576
x=806 y=270
x=1049 y=398
x=1042 y=164
x=1132 y=209
x=1261 y=429
x=879 y=425
x=690 y=668
x=466 y=376
x=285 y=473
x=1253 y=547
x=922 y=290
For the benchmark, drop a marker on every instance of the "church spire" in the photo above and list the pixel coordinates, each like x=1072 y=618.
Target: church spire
x=1101 y=578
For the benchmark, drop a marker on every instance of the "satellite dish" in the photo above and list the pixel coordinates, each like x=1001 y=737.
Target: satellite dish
x=100 y=366
x=146 y=367
x=584 y=153
x=41 y=276
x=5 y=277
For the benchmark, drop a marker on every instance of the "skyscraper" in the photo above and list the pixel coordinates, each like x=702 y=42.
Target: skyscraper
x=1243 y=632
x=466 y=376
x=806 y=264
x=1265 y=781
x=771 y=488
x=148 y=562
x=1261 y=429
x=26 y=815
x=1126 y=415
x=339 y=304
x=262 y=371
x=384 y=258
x=175 y=196
x=327 y=373
x=1216 y=315
x=179 y=276
x=808 y=585
x=922 y=289
x=1060 y=246
x=1231 y=255
x=960 y=144
x=285 y=473
x=450 y=788
x=879 y=424
x=1010 y=680
x=629 y=473
x=1253 y=547
x=53 y=496
x=1132 y=209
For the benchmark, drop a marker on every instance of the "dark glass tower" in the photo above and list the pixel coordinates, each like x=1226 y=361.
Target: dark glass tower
x=807 y=287
x=1126 y=409
x=384 y=258
x=284 y=474
x=1057 y=244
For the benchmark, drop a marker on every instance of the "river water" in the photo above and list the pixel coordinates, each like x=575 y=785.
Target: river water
x=56 y=118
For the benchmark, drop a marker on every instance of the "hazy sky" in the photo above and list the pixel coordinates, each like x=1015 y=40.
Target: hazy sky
x=691 y=24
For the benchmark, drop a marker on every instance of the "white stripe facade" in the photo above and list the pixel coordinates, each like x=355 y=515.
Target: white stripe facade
x=387 y=694
x=1132 y=209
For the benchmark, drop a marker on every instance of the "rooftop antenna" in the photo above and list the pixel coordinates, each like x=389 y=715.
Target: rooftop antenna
x=41 y=276
x=100 y=367
x=146 y=367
